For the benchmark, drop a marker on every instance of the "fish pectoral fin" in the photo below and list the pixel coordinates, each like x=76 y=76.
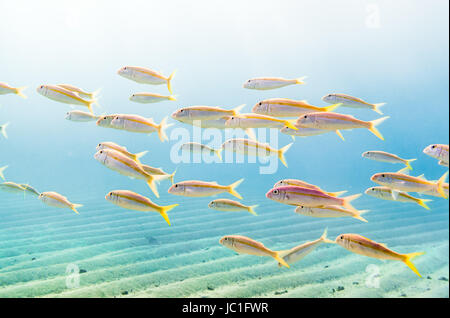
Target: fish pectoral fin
x=340 y=135
x=394 y=195
x=404 y=170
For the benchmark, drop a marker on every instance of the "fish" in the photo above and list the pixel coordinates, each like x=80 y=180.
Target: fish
x=246 y=245
x=439 y=152
x=196 y=147
x=297 y=253
x=139 y=124
x=443 y=163
x=7 y=89
x=121 y=149
x=255 y=148
x=192 y=113
x=300 y=183
x=227 y=205
x=12 y=187
x=144 y=75
x=159 y=172
x=196 y=188
x=303 y=132
x=336 y=122
x=147 y=98
x=361 y=245
x=434 y=192
x=353 y=102
x=63 y=95
x=131 y=200
x=387 y=157
x=105 y=121
x=401 y=181
x=251 y=120
x=2 y=169
x=284 y=107
x=295 y=195
x=83 y=94
x=385 y=193
x=3 y=130
x=58 y=201
x=330 y=211
x=30 y=189
x=80 y=116
x=266 y=83
x=126 y=166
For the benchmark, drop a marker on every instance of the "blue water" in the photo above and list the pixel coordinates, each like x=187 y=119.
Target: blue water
x=400 y=59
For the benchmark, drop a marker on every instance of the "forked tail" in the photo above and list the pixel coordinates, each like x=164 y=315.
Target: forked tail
x=75 y=206
x=281 y=153
x=347 y=200
x=19 y=91
x=407 y=261
x=376 y=108
x=152 y=185
x=324 y=237
x=1 y=172
x=232 y=188
x=169 y=84
x=280 y=259
x=373 y=126
x=440 y=183
x=165 y=209
x=408 y=163
x=3 y=130
x=162 y=129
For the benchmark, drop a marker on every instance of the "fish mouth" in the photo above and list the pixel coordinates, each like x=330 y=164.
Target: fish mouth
x=373 y=178
x=269 y=194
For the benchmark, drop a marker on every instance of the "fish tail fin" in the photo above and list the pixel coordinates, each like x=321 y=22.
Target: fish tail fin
x=1 y=172
x=140 y=155
x=300 y=80
x=336 y=194
x=165 y=209
x=252 y=208
x=281 y=153
x=332 y=107
x=152 y=185
x=232 y=188
x=373 y=126
x=169 y=84
x=359 y=217
x=218 y=153
x=408 y=163
x=422 y=203
x=75 y=206
x=407 y=261
x=162 y=129
x=19 y=91
x=376 y=108
x=172 y=97
x=293 y=137
x=280 y=259
x=439 y=184
x=324 y=237
x=3 y=129
x=95 y=94
x=291 y=124
x=89 y=105
x=349 y=199
x=238 y=109
x=340 y=135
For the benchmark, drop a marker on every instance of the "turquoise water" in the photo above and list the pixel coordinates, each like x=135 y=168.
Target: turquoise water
x=400 y=59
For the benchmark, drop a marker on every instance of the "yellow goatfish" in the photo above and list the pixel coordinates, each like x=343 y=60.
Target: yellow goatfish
x=439 y=152
x=1 y=172
x=265 y=83
x=146 y=76
x=3 y=130
x=284 y=107
x=159 y=172
x=191 y=113
x=147 y=98
x=58 y=201
x=303 y=132
x=83 y=94
x=121 y=149
x=330 y=211
x=251 y=120
x=62 y=95
x=134 y=201
x=297 y=253
x=336 y=122
x=383 y=156
x=126 y=166
x=227 y=205
x=255 y=148
x=401 y=181
x=12 y=187
x=385 y=193
x=434 y=192
x=361 y=245
x=196 y=188
x=80 y=116
x=105 y=121
x=6 y=89
x=196 y=147
x=352 y=102
x=245 y=245
x=300 y=183
x=139 y=124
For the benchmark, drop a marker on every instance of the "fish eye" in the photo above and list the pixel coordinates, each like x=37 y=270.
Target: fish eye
x=181 y=110
x=434 y=146
x=275 y=191
x=176 y=186
x=342 y=237
x=260 y=103
x=248 y=81
x=101 y=151
x=382 y=175
x=42 y=86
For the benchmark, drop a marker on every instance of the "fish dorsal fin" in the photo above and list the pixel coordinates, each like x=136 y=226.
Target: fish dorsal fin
x=304 y=101
x=214 y=182
x=404 y=171
x=422 y=176
x=150 y=119
x=383 y=244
